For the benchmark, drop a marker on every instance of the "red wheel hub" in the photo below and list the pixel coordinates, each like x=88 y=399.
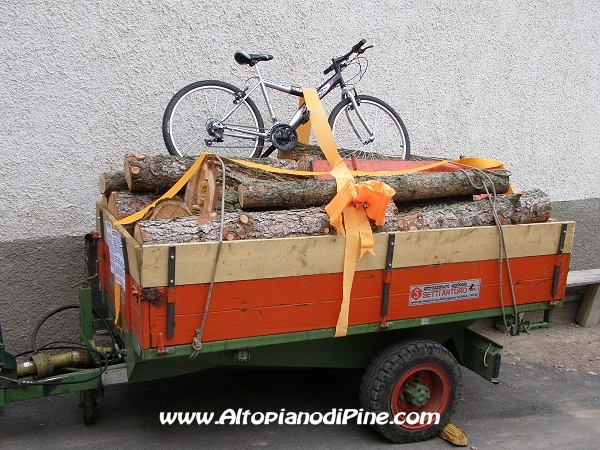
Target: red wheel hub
x=436 y=381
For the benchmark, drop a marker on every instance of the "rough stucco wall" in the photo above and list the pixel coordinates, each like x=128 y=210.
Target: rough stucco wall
x=82 y=83
x=37 y=276
x=85 y=82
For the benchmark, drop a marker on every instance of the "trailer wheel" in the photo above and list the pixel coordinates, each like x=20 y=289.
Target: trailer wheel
x=88 y=403
x=411 y=380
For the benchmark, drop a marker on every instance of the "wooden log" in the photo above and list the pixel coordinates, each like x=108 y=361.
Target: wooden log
x=303 y=193
x=168 y=208
x=528 y=207
x=205 y=227
x=237 y=226
x=304 y=150
x=122 y=204
x=155 y=173
x=203 y=190
x=112 y=181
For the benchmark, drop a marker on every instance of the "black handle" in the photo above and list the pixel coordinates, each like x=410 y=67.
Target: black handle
x=359 y=45
x=355 y=49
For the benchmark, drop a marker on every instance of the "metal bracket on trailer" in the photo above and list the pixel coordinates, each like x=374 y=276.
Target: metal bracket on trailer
x=482 y=355
x=387 y=279
x=561 y=246
x=8 y=365
x=170 y=298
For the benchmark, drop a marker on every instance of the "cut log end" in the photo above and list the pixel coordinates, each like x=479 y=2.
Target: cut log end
x=112 y=181
x=168 y=208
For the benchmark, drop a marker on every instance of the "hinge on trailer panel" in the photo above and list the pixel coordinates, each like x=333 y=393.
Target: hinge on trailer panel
x=561 y=247
x=170 y=298
x=102 y=231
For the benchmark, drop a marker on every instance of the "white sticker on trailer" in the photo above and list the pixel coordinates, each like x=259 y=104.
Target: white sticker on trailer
x=425 y=294
x=114 y=376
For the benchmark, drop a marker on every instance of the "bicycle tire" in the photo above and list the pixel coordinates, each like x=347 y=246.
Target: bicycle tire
x=390 y=138
x=185 y=120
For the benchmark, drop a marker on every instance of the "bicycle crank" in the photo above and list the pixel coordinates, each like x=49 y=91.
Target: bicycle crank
x=283 y=137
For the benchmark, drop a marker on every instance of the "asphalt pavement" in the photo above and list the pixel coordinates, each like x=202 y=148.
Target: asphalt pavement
x=534 y=406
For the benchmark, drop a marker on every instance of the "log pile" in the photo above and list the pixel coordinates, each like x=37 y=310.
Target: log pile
x=261 y=204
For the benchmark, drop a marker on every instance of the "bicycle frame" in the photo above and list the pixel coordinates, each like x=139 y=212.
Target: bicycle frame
x=336 y=80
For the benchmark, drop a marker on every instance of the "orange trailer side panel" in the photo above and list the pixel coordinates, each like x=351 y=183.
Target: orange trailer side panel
x=283 y=305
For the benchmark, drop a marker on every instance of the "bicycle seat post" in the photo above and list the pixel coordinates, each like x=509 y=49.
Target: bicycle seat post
x=263 y=88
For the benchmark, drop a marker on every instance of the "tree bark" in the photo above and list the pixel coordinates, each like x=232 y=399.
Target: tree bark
x=303 y=193
x=528 y=207
x=112 y=181
x=155 y=173
x=122 y=204
x=205 y=227
x=237 y=226
x=302 y=150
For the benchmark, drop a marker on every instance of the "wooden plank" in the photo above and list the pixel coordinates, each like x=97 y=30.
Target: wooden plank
x=418 y=248
x=288 y=318
x=272 y=292
x=583 y=277
x=273 y=258
x=134 y=253
x=589 y=310
x=284 y=305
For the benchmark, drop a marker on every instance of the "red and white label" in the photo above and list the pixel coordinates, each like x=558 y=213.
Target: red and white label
x=425 y=294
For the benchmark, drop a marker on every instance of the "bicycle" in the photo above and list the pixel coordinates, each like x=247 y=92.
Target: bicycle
x=214 y=114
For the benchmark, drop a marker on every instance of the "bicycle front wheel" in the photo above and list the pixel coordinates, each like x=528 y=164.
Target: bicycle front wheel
x=209 y=116
x=374 y=131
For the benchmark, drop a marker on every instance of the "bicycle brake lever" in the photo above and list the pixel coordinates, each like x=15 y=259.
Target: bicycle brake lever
x=362 y=50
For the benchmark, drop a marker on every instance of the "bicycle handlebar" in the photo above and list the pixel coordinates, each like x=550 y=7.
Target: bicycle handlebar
x=356 y=48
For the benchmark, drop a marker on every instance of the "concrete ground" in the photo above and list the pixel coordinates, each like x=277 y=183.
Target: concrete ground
x=538 y=404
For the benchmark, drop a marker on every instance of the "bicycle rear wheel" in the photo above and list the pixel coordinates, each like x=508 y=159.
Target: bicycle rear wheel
x=208 y=116
x=388 y=137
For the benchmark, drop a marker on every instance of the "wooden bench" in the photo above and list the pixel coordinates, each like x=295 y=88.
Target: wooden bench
x=589 y=310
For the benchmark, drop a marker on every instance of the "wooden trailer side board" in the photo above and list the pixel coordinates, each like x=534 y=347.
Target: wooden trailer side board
x=277 y=258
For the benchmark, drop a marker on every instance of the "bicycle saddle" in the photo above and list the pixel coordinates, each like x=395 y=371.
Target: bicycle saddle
x=245 y=58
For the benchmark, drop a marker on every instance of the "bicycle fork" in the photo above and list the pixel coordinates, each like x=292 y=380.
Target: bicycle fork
x=355 y=106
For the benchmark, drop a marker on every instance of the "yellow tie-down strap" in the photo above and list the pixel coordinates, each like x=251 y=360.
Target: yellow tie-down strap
x=356 y=173
x=346 y=211
x=140 y=214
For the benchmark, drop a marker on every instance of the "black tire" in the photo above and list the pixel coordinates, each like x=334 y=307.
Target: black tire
x=185 y=121
x=88 y=403
x=389 y=139
x=411 y=364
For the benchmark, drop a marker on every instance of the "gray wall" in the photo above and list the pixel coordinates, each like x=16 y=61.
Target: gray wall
x=83 y=83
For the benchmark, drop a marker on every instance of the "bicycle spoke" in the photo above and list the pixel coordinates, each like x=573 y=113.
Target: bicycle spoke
x=388 y=138
x=203 y=116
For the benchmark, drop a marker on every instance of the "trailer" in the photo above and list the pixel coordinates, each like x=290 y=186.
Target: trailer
x=175 y=309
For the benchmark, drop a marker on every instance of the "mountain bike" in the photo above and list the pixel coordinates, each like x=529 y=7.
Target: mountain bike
x=218 y=117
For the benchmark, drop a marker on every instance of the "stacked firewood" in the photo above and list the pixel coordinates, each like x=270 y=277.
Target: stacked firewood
x=259 y=204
